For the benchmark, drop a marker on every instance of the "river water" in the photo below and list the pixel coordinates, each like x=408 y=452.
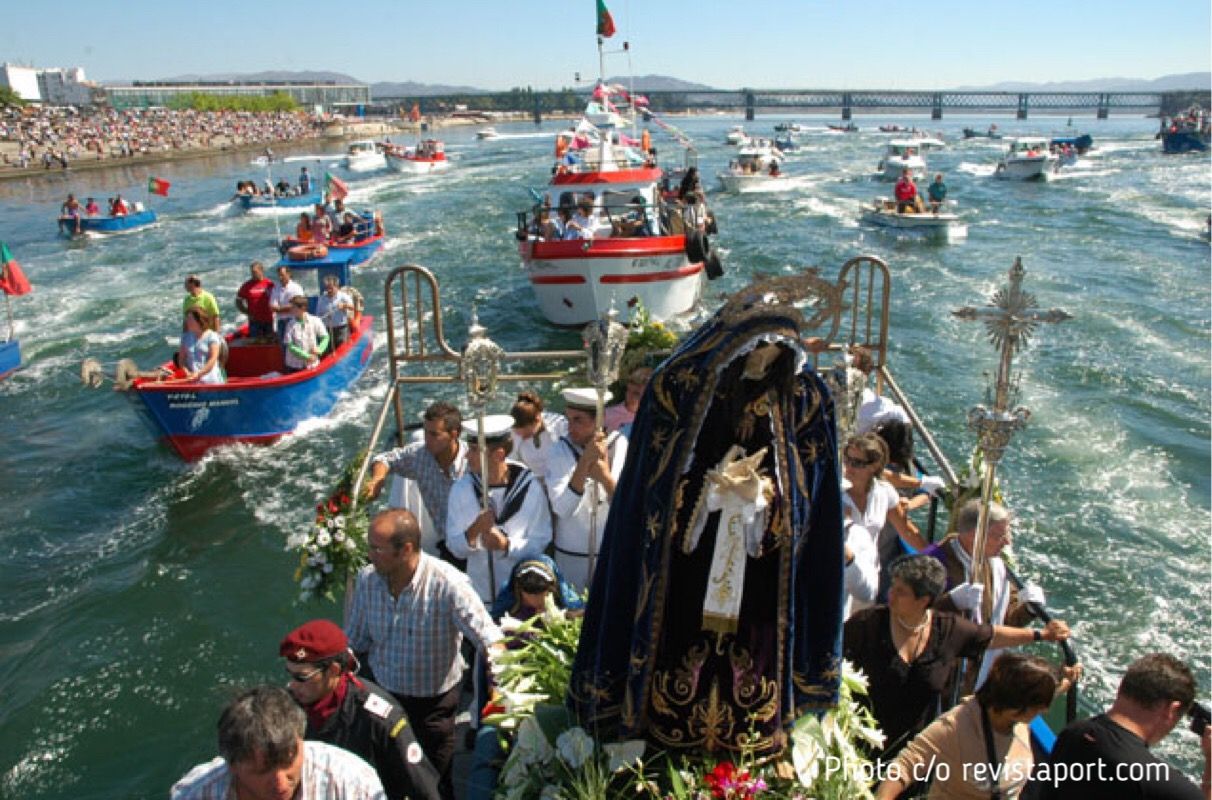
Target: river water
x=137 y=592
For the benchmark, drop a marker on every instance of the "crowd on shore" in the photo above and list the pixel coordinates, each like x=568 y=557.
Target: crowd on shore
x=55 y=137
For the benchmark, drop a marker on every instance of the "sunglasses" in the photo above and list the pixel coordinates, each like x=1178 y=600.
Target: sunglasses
x=857 y=463
x=298 y=677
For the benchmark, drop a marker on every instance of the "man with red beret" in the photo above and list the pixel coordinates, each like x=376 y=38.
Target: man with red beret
x=353 y=713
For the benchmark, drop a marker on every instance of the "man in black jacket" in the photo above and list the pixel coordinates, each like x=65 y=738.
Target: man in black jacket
x=352 y=713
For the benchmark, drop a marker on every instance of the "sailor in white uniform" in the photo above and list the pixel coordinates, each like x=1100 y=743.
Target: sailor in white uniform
x=581 y=473
x=517 y=523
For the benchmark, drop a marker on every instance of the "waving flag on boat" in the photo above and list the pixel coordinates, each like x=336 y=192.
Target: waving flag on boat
x=158 y=186
x=12 y=279
x=605 y=21
x=335 y=187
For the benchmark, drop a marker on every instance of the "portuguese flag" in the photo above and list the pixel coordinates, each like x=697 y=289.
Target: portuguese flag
x=335 y=187
x=12 y=279
x=158 y=186
x=605 y=21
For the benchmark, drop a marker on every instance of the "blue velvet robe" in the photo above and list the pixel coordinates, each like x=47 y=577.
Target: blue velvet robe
x=649 y=664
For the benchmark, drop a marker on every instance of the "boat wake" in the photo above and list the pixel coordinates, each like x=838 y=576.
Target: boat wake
x=977 y=170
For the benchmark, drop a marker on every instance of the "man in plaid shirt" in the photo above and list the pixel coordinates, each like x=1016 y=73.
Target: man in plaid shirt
x=409 y=614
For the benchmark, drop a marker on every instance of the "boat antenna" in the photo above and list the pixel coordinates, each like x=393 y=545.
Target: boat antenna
x=1010 y=318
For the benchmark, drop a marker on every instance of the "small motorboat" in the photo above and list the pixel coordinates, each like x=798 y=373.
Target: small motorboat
x=735 y=135
x=991 y=133
x=428 y=156
x=487 y=133
x=1081 y=143
x=786 y=143
x=258 y=404
x=137 y=220
x=895 y=129
x=364 y=156
x=1189 y=132
x=1028 y=158
x=847 y=128
x=304 y=255
x=937 y=224
x=787 y=127
x=756 y=168
x=901 y=155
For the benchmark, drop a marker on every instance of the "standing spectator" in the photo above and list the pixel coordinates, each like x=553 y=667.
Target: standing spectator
x=253 y=300
x=409 y=614
x=517 y=523
x=620 y=414
x=535 y=432
x=1155 y=693
x=906 y=193
x=304 y=181
x=279 y=300
x=334 y=308
x=197 y=296
x=937 y=192
x=262 y=755
x=434 y=464
x=353 y=713
x=305 y=340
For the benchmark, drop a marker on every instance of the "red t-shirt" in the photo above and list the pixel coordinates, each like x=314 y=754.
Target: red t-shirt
x=256 y=294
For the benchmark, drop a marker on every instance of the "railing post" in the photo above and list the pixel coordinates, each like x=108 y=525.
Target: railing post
x=846 y=106
x=750 y=101
x=1022 y=105
x=936 y=110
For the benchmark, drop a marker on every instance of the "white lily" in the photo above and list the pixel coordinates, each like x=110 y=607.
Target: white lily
x=575 y=747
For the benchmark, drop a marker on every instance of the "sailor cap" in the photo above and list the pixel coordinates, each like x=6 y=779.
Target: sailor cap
x=584 y=399
x=497 y=428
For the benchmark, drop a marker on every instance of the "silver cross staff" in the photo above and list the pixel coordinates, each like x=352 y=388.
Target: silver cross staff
x=1010 y=318
x=479 y=367
x=605 y=341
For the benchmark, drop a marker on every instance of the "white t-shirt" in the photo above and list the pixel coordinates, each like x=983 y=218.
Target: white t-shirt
x=881 y=499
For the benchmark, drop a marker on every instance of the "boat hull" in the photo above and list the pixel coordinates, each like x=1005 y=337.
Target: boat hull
x=109 y=225
x=249 y=202
x=1026 y=169
x=1184 y=142
x=417 y=166
x=366 y=162
x=576 y=281
x=193 y=418
x=939 y=226
x=740 y=184
x=10 y=357
x=338 y=255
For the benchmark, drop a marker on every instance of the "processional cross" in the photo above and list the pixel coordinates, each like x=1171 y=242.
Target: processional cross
x=480 y=366
x=1010 y=319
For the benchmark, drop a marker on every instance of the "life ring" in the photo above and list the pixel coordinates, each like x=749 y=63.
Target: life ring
x=307 y=252
x=697 y=247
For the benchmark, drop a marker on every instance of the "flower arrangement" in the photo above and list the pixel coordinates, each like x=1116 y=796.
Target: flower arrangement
x=644 y=339
x=550 y=757
x=968 y=486
x=333 y=548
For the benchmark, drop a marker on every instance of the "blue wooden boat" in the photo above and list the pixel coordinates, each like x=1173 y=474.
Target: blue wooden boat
x=251 y=201
x=126 y=223
x=1184 y=141
x=1081 y=144
x=10 y=357
x=370 y=241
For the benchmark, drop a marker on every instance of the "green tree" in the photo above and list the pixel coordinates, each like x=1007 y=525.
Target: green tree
x=10 y=99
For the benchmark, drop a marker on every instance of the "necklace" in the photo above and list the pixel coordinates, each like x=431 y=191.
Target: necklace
x=913 y=628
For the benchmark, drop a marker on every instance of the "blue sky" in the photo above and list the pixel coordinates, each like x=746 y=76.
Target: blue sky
x=830 y=44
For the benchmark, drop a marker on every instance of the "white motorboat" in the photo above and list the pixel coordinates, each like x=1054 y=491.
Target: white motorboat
x=428 y=156
x=901 y=155
x=632 y=252
x=755 y=168
x=735 y=135
x=364 y=156
x=936 y=224
x=487 y=133
x=1027 y=159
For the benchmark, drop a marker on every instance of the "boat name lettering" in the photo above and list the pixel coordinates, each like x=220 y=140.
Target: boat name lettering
x=189 y=403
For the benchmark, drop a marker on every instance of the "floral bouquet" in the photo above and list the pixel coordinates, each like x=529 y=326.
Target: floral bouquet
x=333 y=549
x=644 y=339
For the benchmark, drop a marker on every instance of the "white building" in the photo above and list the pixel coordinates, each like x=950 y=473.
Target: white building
x=22 y=80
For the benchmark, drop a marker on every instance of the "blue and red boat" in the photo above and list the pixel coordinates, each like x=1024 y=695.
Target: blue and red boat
x=251 y=201
x=123 y=223
x=303 y=255
x=13 y=283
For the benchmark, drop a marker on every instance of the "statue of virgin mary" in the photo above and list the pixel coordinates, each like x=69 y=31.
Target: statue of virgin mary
x=715 y=612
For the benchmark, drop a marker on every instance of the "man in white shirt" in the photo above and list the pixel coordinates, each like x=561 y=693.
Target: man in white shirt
x=334 y=308
x=305 y=339
x=517 y=523
x=581 y=474
x=283 y=292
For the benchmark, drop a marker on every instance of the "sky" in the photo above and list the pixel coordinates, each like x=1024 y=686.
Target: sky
x=498 y=44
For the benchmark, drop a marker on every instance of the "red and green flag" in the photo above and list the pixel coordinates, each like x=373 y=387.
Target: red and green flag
x=12 y=279
x=336 y=188
x=605 y=21
x=158 y=186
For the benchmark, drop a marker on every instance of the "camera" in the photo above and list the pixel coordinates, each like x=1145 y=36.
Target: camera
x=1200 y=717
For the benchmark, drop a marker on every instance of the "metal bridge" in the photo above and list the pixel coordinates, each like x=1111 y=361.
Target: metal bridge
x=753 y=101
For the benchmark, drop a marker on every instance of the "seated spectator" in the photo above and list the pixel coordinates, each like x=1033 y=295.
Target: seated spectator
x=303 y=228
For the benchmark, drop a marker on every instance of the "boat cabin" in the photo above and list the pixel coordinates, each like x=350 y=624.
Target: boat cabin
x=903 y=148
x=1028 y=146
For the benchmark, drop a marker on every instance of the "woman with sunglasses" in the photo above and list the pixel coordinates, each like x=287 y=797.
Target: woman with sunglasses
x=869 y=500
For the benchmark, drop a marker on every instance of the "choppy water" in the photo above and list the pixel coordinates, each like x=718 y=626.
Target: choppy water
x=135 y=591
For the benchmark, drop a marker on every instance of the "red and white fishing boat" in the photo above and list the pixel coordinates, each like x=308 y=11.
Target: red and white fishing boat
x=428 y=156
x=632 y=246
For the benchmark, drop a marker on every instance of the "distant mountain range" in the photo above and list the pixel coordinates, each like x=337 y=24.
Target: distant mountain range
x=1166 y=83
x=665 y=83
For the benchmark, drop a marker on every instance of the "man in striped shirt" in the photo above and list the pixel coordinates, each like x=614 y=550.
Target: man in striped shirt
x=409 y=614
x=263 y=757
